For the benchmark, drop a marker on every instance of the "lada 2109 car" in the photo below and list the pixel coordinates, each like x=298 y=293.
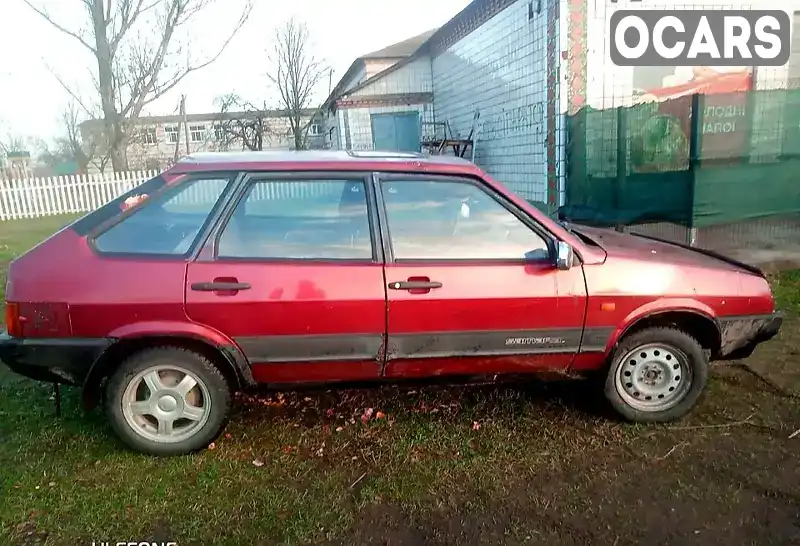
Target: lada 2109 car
x=236 y=269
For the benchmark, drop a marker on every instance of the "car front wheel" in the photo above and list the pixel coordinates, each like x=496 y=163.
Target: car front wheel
x=167 y=401
x=656 y=375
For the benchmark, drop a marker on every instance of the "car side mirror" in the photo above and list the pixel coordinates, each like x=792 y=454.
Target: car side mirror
x=564 y=256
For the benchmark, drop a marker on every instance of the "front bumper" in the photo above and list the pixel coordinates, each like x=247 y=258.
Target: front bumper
x=66 y=361
x=739 y=336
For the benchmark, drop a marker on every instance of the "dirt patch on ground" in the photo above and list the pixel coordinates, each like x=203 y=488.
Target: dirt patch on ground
x=727 y=476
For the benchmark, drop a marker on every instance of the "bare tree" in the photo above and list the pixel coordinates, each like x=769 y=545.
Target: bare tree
x=81 y=150
x=241 y=122
x=139 y=56
x=296 y=73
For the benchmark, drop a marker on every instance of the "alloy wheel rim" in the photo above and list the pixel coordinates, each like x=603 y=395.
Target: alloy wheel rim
x=653 y=377
x=166 y=404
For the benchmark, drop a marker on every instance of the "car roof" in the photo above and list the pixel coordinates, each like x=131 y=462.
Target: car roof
x=322 y=160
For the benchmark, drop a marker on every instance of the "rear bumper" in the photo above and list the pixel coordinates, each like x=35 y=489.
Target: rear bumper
x=66 y=361
x=740 y=336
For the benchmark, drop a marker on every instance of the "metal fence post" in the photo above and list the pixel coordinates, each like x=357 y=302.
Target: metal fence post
x=622 y=163
x=695 y=149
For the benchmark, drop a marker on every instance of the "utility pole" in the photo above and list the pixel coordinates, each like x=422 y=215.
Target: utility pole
x=185 y=122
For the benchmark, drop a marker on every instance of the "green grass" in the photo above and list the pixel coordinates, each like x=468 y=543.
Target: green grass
x=304 y=467
x=18 y=236
x=786 y=288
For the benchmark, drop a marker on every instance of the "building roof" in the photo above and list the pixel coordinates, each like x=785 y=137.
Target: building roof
x=406 y=48
x=474 y=14
x=400 y=50
x=322 y=159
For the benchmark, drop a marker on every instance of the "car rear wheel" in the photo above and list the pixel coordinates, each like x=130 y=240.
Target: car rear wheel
x=656 y=375
x=167 y=401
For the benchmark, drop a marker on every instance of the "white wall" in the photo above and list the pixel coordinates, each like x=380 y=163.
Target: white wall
x=415 y=77
x=374 y=66
x=500 y=70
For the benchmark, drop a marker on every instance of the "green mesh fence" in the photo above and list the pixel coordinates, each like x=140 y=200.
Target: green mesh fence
x=695 y=161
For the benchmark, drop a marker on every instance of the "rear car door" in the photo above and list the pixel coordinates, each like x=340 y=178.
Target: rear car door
x=472 y=285
x=293 y=276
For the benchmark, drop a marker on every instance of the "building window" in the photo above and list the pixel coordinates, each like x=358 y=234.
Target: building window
x=172 y=132
x=315 y=129
x=197 y=133
x=219 y=133
x=149 y=135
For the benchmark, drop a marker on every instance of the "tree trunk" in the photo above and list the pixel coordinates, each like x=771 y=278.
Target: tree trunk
x=298 y=133
x=111 y=118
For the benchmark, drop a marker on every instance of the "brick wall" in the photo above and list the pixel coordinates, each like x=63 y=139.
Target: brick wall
x=500 y=70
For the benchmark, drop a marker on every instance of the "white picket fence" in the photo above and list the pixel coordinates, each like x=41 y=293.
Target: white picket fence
x=36 y=197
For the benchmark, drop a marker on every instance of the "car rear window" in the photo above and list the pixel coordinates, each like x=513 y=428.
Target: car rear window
x=166 y=223
x=98 y=217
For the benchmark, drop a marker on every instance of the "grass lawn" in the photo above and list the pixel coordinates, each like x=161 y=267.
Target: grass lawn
x=535 y=464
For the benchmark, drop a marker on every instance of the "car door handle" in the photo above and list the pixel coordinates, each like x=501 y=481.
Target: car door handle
x=220 y=286
x=414 y=285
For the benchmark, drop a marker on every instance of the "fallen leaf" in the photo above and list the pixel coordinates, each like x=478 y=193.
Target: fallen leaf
x=366 y=415
x=52 y=484
x=258 y=462
x=339 y=429
x=329 y=412
x=380 y=415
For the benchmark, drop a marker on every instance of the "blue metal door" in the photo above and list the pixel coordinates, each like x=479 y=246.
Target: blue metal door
x=396 y=132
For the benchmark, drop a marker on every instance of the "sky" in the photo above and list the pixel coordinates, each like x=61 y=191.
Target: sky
x=31 y=98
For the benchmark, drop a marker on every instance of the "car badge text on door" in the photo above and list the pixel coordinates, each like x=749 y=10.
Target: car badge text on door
x=535 y=341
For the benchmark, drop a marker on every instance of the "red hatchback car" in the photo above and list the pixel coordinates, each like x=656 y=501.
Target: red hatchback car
x=232 y=270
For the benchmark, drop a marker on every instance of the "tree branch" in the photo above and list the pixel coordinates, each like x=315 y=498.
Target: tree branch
x=55 y=24
x=71 y=93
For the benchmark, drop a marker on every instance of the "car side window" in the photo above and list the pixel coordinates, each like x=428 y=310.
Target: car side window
x=166 y=223
x=453 y=220
x=299 y=219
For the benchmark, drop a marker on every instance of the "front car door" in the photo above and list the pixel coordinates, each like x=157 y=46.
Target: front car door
x=472 y=286
x=292 y=274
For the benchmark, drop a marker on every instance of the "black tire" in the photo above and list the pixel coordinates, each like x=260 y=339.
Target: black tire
x=218 y=392
x=687 y=346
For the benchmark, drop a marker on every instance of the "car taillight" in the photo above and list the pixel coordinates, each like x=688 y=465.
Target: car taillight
x=12 y=320
x=38 y=320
